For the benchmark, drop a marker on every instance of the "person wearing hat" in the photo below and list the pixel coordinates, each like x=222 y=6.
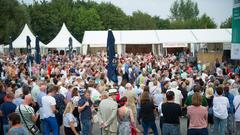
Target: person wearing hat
x=178 y=95
x=108 y=113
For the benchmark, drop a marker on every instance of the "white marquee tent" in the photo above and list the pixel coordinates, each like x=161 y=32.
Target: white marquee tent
x=62 y=39
x=20 y=41
x=159 y=36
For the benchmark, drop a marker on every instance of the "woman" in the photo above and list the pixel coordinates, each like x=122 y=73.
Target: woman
x=198 y=116
x=60 y=105
x=125 y=116
x=15 y=124
x=147 y=113
x=75 y=99
x=69 y=121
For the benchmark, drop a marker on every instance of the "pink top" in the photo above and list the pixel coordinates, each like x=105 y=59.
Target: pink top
x=198 y=117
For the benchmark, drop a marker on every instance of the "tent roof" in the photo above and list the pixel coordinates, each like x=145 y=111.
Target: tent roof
x=139 y=37
x=20 y=41
x=212 y=35
x=62 y=39
x=99 y=37
x=176 y=36
x=159 y=36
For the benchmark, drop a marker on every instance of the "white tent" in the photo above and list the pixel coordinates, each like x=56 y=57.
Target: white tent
x=62 y=39
x=20 y=41
x=99 y=38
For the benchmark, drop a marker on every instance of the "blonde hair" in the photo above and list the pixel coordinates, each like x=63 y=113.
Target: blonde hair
x=69 y=108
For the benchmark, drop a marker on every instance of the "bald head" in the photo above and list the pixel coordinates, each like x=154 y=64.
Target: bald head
x=28 y=99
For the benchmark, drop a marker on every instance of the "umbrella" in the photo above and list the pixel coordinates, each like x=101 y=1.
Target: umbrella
x=37 y=53
x=10 y=49
x=112 y=62
x=70 y=45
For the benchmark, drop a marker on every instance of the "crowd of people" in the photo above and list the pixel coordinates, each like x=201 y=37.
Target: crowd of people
x=77 y=93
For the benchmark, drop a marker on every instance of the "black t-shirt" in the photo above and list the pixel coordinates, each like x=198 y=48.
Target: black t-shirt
x=171 y=113
x=146 y=112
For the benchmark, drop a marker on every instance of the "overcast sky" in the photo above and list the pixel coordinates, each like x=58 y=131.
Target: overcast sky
x=219 y=10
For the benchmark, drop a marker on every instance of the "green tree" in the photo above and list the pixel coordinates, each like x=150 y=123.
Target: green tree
x=84 y=19
x=13 y=16
x=161 y=23
x=206 y=22
x=112 y=17
x=142 y=21
x=227 y=23
x=184 y=10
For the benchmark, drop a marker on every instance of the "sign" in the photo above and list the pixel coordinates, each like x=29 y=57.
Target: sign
x=175 y=45
x=235 y=47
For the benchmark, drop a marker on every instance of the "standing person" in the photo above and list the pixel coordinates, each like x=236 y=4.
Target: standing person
x=69 y=121
x=198 y=116
x=49 y=110
x=26 y=112
x=230 y=118
x=236 y=103
x=171 y=113
x=125 y=117
x=84 y=107
x=220 y=112
x=178 y=95
x=60 y=105
x=5 y=109
x=108 y=113
x=146 y=113
x=15 y=124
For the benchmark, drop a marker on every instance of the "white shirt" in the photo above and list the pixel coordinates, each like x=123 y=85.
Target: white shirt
x=122 y=91
x=236 y=102
x=34 y=92
x=220 y=107
x=178 y=95
x=47 y=103
x=63 y=91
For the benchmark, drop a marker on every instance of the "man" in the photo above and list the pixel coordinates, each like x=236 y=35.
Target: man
x=178 y=94
x=41 y=94
x=197 y=88
x=5 y=109
x=84 y=106
x=26 y=112
x=108 y=114
x=171 y=112
x=35 y=89
x=49 y=110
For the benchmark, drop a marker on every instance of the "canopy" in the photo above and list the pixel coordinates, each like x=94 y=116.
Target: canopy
x=99 y=38
x=182 y=36
x=62 y=39
x=20 y=41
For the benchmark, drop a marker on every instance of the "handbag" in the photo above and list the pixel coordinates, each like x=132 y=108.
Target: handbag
x=133 y=129
x=34 y=129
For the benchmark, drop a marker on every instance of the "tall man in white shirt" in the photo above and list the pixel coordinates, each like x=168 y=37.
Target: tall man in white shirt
x=49 y=109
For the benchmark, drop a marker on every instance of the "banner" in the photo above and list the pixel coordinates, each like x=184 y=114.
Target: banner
x=235 y=47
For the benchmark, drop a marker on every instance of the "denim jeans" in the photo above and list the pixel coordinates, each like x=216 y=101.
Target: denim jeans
x=171 y=129
x=230 y=124
x=5 y=128
x=86 y=127
x=149 y=124
x=48 y=124
x=237 y=128
x=219 y=126
x=202 y=131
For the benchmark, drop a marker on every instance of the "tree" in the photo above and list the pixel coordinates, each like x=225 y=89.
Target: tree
x=227 y=23
x=184 y=10
x=142 y=21
x=13 y=17
x=112 y=17
x=206 y=22
x=161 y=23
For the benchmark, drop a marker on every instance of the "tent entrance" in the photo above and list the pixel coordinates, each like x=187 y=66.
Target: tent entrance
x=143 y=49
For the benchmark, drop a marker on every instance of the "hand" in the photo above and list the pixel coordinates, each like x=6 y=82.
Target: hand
x=77 y=134
x=86 y=104
x=103 y=125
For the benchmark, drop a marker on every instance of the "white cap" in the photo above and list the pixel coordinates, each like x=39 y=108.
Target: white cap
x=111 y=91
